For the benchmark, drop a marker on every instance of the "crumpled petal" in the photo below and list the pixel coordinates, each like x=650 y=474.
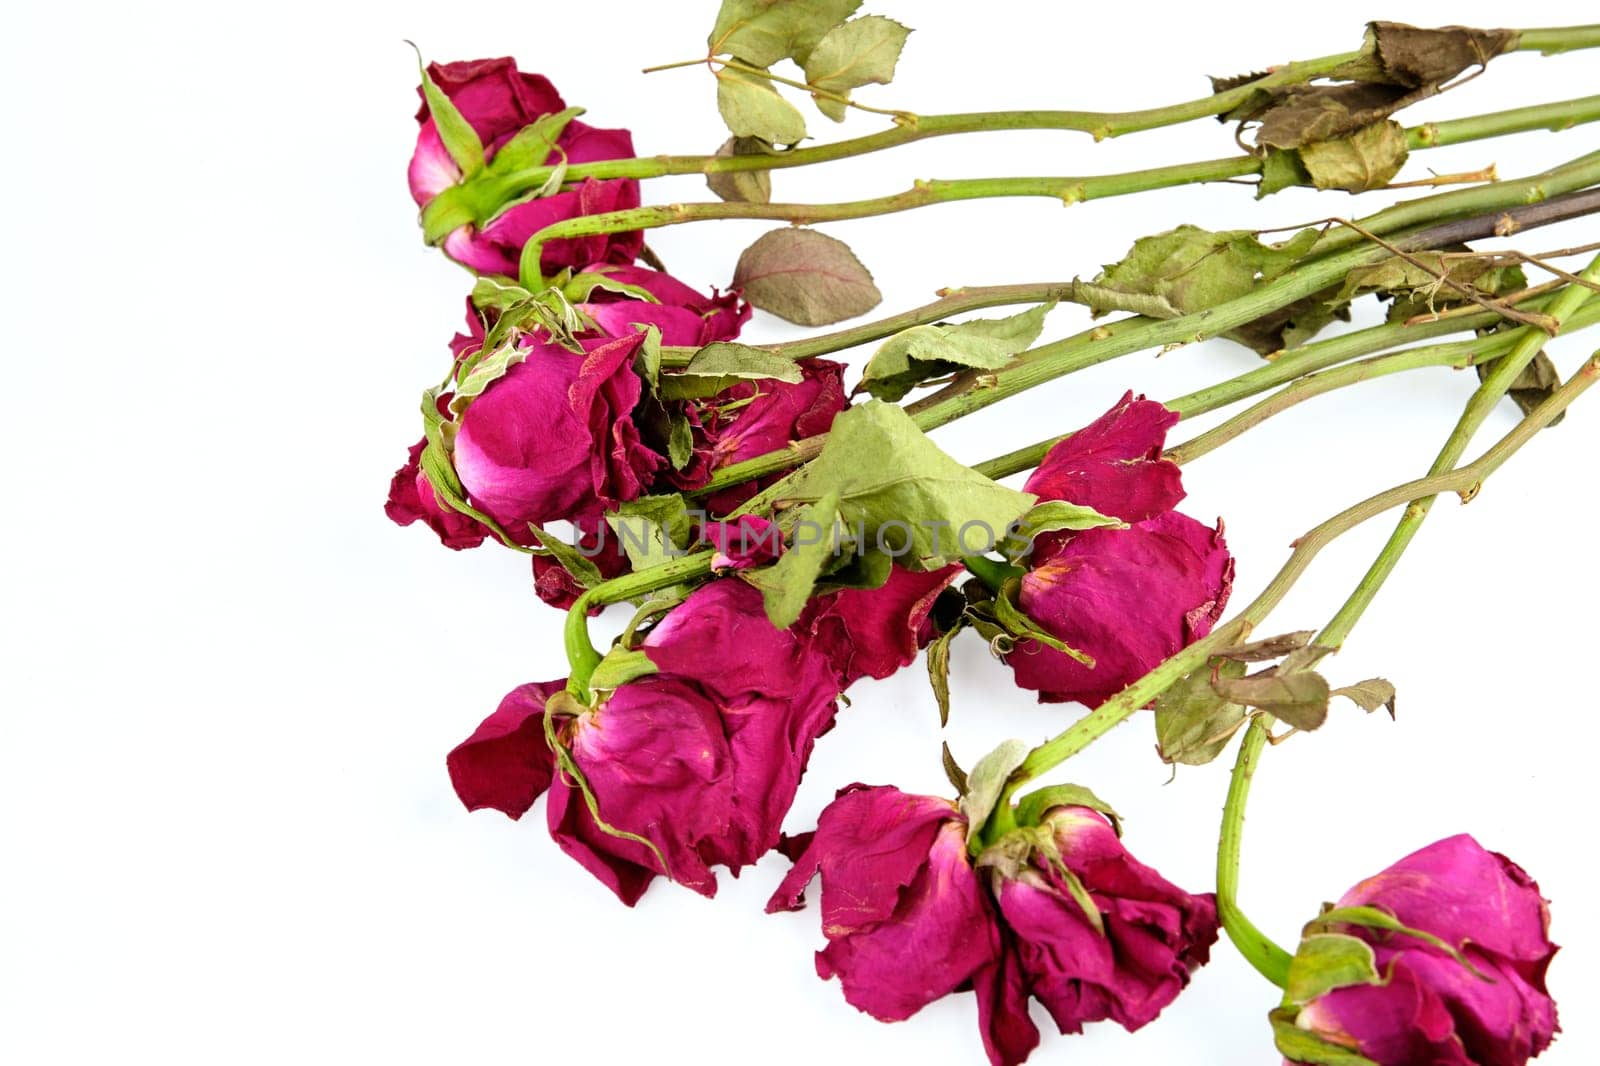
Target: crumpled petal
x=1114 y=464
x=506 y=764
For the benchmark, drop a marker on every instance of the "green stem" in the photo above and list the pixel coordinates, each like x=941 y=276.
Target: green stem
x=1069 y=190
x=1529 y=342
x=1459 y=355
x=1270 y=960
x=582 y=658
x=992 y=572
x=950 y=302
x=972 y=392
x=1464 y=480
x=1288 y=366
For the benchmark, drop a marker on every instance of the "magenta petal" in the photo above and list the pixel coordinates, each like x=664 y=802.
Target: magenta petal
x=623 y=866
x=506 y=764
x=874 y=632
x=1129 y=598
x=412 y=499
x=1114 y=463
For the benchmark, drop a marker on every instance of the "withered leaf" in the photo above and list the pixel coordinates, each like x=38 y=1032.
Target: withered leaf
x=805 y=277
x=1365 y=160
x=1411 y=55
x=1267 y=648
x=1300 y=699
x=1369 y=695
x=1193 y=722
x=742 y=186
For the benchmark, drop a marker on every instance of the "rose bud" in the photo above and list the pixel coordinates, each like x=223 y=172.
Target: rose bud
x=1097 y=933
x=554 y=584
x=1443 y=962
x=874 y=632
x=1125 y=598
x=554 y=438
x=906 y=917
x=412 y=499
x=684 y=315
x=1114 y=464
x=498 y=101
x=699 y=761
x=1128 y=598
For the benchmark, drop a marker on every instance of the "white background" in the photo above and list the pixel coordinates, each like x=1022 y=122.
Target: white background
x=230 y=683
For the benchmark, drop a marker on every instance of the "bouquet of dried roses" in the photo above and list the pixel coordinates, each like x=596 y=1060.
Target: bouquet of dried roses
x=781 y=537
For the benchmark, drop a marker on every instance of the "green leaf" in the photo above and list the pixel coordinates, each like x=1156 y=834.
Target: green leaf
x=786 y=585
x=489 y=368
x=1052 y=516
x=652 y=529
x=491 y=293
x=860 y=52
x=454 y=206
x=1193 y=722
x=1365 y=160
x=1281 y=169
x=765 y=31
x=910 y=499
x=751 y=107
x=805 y=277
x=619 y=666
x=987 y=780
x=1032 y=808
x=1189 y=269
x=1300 y=699
x=574 y=562
x=580 y=287
x=1326 y=961
x=921 y=352
x=1369 y=695
x=1019 y=625
x=742 y=186
x=953 y=771
x=648 y=360
x=680 y=440
x=724 y=364
x=457 y=134
x=939 y=671
x=1375 y=918
x=1306 y=1048
x=534 y=143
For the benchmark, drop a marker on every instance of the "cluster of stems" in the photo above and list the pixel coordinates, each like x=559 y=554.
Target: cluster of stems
x=1507 y=335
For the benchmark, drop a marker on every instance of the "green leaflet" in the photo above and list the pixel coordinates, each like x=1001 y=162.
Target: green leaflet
x=1035 y=805
x=860 y=52
x=1326 y=961
x=1050 y=517
x=764 y=31
x=1189 y=269
x=620 y=665
x=939 y=674
x=724 y=364
x=457 y=134
x=787 y=584
x=752 y=107
x=914 y=355
x=1299 y=698
x=580 y=566
x=986 y=781
x=652 y=529
x=909 y=498
x=1367 y=159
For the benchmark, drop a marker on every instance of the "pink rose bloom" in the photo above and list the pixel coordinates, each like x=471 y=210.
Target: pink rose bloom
x=874 y=632
x=1125 y=964
x=498 y=101
x=906 y=916
x=1487 y=1007
x=686 y=316
x=1128 y=598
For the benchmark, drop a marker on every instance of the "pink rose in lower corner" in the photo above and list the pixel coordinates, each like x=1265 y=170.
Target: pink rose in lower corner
x=498 y=101
x=910 y=917
x=1460 y=982
x=1128 y=598
x=690 y=767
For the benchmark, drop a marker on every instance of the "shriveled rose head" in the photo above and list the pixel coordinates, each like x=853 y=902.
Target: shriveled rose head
x=497 y=100
x=1128 y=598
x=555 y=438
x=555 y=584
x=754 y=418
x=701 y=759
x=1097 y=934
x=685 y=316
x=1114 y=464
x=874 y=632
x=412 y=499
x=906 y=917
x=1463 y=984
